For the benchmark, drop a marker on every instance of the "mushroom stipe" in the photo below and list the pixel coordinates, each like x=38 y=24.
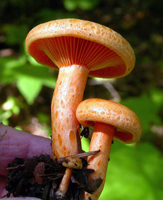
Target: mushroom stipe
x=40 y=177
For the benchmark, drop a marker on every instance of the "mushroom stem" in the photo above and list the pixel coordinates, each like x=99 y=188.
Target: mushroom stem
x=101 y=139
x=63 y=187
x=67 y=95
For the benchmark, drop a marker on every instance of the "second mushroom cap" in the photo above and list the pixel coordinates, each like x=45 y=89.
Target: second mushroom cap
x=127 y=123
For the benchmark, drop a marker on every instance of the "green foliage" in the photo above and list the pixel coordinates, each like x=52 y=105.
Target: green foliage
x=134 y=172
x=9 y=108
x=30 y=78
x=7 y=75
x=147 y=107
x=71 y=5
x=47 y=15
x=15 y=34
x=29 y=87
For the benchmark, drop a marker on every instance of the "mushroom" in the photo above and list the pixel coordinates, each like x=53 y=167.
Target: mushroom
x=110 y=120
x=79 y=49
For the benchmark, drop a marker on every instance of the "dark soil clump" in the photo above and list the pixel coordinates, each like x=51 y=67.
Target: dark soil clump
x=40 y=177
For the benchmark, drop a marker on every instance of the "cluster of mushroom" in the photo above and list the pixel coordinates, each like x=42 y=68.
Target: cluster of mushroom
x=80 y=49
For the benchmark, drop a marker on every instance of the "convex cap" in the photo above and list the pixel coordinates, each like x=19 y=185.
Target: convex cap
x=67 y=42
x=127 y=123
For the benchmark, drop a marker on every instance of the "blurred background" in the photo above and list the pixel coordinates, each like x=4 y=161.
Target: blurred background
x=135 y=172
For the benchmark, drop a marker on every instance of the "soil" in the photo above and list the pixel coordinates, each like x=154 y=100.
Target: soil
x=40 y=177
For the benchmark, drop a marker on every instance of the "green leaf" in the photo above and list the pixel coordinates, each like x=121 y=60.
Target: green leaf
x=15 y=33
x=157 y=96
x=87 y=4
x=71 y=5
x=85 y=144
x=134 y=173
x=25 y=74
x=38 y=72
x=7 y=73
x=29 y=87
x=146 y=107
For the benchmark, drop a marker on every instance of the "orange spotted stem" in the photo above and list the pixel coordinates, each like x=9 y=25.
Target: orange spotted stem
x=101 y=139
x=67 y=95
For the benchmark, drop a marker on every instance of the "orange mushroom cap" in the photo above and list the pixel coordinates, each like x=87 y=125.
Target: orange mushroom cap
x=127 y=123
x=67 y=42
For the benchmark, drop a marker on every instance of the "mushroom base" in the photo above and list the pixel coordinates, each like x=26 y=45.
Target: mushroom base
x=40 y=177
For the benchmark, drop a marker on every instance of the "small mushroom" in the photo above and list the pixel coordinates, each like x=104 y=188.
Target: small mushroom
x=79 y=49
x=110 y=120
